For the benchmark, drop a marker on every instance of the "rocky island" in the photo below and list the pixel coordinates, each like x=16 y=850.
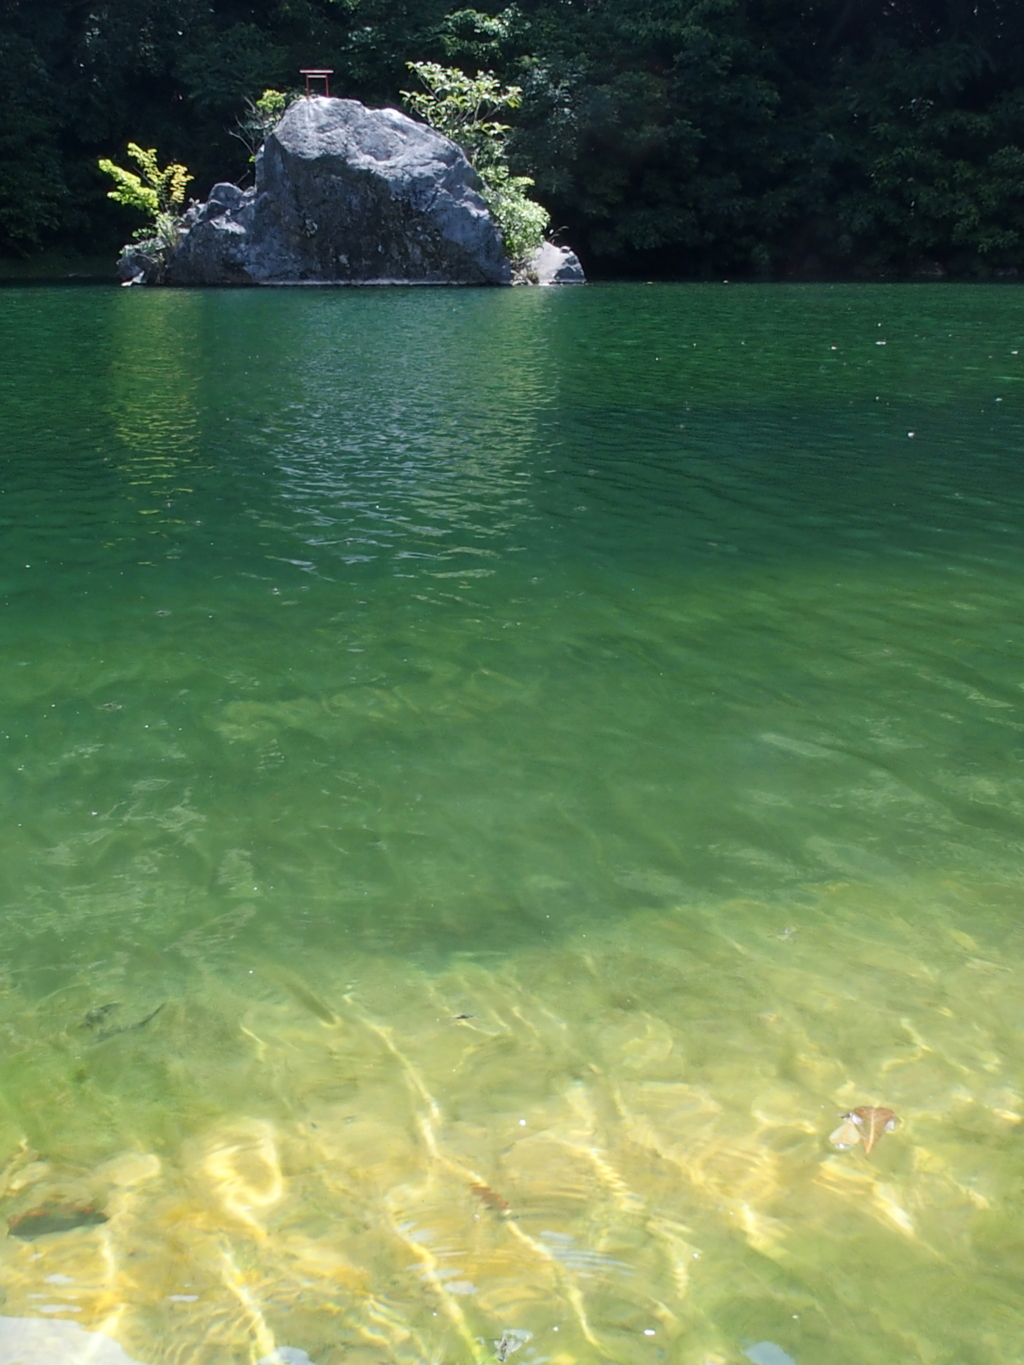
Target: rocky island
x=345 y=194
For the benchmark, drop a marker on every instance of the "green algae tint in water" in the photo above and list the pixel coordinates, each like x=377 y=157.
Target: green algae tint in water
x=489 y=777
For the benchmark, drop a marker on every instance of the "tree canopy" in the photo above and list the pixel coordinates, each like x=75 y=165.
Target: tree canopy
x=696 y=138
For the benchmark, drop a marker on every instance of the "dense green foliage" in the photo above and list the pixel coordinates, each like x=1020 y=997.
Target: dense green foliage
x=684 y=137
x=463 y=108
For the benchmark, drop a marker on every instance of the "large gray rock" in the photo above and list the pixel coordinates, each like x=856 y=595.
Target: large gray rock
x=346 y=195
x=552 y=264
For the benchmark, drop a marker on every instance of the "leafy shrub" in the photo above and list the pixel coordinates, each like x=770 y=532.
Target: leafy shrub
x=159 y=194
x=462 y=108
x=260 y=119
x=156 y=191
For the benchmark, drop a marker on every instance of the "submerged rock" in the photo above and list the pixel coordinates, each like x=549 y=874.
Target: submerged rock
x=51 y=1218
x=42 y=1341
x=346 y=195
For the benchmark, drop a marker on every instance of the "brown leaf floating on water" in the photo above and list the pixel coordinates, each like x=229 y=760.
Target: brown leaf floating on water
x=873 y=1122
x=490 y=1197
x=864 y=1124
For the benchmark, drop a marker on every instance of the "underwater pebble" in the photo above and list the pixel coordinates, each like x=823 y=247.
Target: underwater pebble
x=40 y=1341
x=767 y=1353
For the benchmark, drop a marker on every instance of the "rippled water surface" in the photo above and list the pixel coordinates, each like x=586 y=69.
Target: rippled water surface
x=488 y=778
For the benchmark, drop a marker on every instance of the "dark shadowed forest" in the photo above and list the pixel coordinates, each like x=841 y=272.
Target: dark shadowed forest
x=668 y=138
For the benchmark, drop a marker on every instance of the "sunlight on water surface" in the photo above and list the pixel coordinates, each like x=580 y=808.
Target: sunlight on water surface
x=490 y=777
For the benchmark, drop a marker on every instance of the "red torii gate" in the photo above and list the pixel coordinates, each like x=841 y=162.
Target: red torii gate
x=317 y=73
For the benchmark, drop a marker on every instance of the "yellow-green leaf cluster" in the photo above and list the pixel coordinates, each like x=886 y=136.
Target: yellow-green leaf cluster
x=156 y=191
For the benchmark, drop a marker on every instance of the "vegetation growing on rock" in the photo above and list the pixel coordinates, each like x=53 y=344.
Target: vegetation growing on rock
x=463 y=107
x=157 y=193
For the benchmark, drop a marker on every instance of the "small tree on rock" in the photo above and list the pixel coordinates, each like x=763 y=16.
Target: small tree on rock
x=159 y=194
x=260 y=119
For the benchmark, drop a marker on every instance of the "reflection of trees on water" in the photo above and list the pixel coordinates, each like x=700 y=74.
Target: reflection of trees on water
x=388 y=421
x=413 y=418
x=156 y=365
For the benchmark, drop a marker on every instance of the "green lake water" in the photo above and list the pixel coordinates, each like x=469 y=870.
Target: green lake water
x=488 y=778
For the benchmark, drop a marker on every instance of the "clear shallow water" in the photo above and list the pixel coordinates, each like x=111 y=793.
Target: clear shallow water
x=608 y=666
